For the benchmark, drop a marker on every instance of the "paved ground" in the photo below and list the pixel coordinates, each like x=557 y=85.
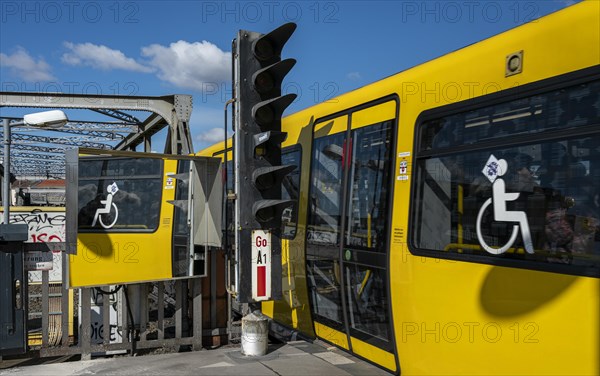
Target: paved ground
x=293 y=358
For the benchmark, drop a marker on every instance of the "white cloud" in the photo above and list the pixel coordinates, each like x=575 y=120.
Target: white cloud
x=212 y=136
x=26 y=67
x=101 y=57
x=190 y=65
x=197 y=65
x=206 y=125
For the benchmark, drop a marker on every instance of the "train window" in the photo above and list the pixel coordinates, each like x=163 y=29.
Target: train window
x=291 y=188
x=120 y=194
x=369 y=182
x=181 y=259
x=571 y=107
x=228 y=219
x=365 y=238
x=323 y=228
x=531 y=199
x=326 y=190
x=368 y=302
x=180 y=214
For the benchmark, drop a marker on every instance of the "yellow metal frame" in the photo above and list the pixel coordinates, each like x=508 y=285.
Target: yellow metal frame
x=127 y=257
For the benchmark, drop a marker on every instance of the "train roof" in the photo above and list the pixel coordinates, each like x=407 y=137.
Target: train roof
x=583 y=14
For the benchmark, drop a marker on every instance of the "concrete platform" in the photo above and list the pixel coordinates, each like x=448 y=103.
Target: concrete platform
x=293 y=358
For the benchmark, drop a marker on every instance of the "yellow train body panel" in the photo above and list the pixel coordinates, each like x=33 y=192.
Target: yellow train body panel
x=450 y=316
x=127 y=257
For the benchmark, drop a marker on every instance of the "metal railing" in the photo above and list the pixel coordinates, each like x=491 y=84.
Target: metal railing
x=176 y=320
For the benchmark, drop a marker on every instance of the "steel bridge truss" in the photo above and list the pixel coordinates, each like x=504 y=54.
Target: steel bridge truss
x=34 y=154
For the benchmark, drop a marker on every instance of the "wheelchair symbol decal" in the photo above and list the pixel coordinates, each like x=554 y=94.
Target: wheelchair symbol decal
x=494 y=170
x=108 y=206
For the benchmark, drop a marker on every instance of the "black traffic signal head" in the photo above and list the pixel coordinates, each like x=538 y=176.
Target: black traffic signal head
x=259 y=74
x=267 y=81
x=267 y=48
x=267 y=114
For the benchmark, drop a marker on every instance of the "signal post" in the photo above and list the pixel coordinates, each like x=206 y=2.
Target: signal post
x=258 y=75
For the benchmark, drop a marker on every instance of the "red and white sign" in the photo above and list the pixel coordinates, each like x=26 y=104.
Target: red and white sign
x=261 y=265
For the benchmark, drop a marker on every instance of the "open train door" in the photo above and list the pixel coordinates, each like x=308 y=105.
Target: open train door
x=138 y=217
x=348 y=231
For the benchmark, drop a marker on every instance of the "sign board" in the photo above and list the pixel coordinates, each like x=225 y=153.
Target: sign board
x=261 y=265
x=45 y=225
x=37 y=260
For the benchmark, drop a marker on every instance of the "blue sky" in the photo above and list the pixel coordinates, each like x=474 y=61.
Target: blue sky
x=184 y=47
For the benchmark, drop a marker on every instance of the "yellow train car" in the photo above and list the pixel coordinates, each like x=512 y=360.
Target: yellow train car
x=131 y=215
x=447 y=217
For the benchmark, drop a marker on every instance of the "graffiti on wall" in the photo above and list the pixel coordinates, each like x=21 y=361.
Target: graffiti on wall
x=44 y=227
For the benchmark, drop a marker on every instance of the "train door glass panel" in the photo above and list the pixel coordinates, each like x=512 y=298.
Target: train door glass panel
x=348 y=224
x=290 y=191
x=365 y=238
x=228 y=218
x=323 y=229
x=181 y=252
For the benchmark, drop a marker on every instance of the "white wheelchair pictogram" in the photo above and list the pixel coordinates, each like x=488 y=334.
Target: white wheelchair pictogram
x=108 y=205
x=493 y=170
